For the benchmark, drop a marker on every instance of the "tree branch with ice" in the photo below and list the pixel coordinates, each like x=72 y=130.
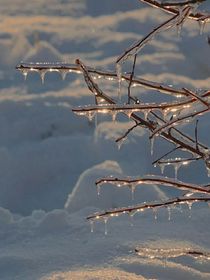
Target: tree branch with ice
x=163 y=120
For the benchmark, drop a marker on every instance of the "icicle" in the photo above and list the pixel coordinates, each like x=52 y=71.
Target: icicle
x=207 y=162
x=120 y=142
x=63 y=73
x=179 y=29
x=42 y=75
x=132 y=188
x=169 y=213
x=96 y=121
x=152 y=140
x=91 y=225
x=146 y=113
x=176 y=169
x=162 y=167
x=98 y=189
x=202 y=24
x=119 y=76
x=90 y=116
x=25 y=73
x=105 y=225
x=155 y=213
x=129 y=113
x=114 y=114
x=190 y=208
x=131 y=215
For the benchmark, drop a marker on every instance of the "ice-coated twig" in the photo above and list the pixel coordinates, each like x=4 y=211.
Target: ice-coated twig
x=198 y=16
x=136 y=47
x=99 y=74
x=159 y=252
x=144 y=206
x=152 y=180
x=176 y=121
x=180 y=4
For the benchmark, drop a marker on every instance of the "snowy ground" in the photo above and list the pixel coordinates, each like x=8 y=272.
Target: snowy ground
x=50 y=158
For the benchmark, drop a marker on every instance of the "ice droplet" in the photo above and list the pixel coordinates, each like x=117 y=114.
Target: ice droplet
x=91 y=225
x=105 y=225
x=119 y=76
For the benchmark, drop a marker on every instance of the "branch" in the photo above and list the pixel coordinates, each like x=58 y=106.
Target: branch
x=198 y=16
x=132 y=210
x=177 y=121
x=135 y=48
x=99 y=74
x=159 y=253
x=152 y=180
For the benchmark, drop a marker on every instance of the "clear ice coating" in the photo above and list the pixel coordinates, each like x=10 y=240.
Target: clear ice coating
x=119 y=76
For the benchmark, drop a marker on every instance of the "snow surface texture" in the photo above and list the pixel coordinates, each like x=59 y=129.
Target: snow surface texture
x=50 y=158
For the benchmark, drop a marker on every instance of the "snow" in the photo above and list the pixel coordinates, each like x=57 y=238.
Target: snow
x=50 y=158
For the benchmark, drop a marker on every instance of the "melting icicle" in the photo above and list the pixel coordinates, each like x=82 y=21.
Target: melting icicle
x=132 y=188
x=25 y=74
x=91 y=225
x=190 y=208
x=98 y=189
x=63 y=73
x=42 y=75
x=119 y=76
x=207 y=162
x=90 y=116
x=105 y=225
x=162 y=167
x=169 y=213
x=152 y=140
x=176 y=169
x=202 y=24
x=114 y=114
x=179 y=29
x=146 y=113
x=155 y=213
x=120 y=143
x=129 y=113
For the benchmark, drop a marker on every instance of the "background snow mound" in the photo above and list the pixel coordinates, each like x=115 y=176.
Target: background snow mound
x=6 y=216
x=90 y=274
x=54 y=221
x=85 y=194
